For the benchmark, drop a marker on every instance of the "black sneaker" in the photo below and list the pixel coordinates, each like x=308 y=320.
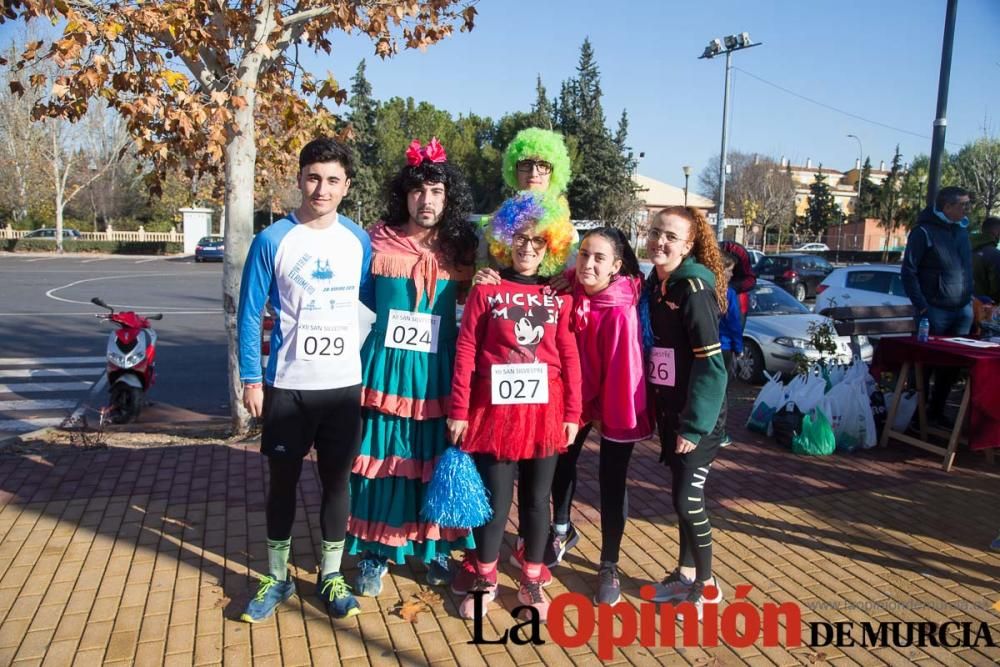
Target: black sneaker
x=609 y=589
x=558 y=544
x=696 y=596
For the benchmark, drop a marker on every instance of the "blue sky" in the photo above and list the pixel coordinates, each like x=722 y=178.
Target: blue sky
x=877 y=59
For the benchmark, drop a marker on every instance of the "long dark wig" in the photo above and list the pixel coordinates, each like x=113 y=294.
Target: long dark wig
x=456 y=235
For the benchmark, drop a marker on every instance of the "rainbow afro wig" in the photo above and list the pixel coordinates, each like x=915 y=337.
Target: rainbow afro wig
x=538 y=144
x=550 y=216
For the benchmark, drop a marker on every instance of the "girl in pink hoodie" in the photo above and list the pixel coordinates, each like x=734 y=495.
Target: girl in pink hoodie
x=607 y=283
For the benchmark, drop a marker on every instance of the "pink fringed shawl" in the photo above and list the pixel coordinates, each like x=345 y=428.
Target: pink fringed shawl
x=395 y=255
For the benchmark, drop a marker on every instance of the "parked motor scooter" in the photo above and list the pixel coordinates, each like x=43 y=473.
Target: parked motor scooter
x=131 y=355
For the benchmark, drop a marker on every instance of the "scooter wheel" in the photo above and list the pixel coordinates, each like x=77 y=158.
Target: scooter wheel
x=126 y=402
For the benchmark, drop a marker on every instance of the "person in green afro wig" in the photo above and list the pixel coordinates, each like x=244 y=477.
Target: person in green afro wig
x=537 y=160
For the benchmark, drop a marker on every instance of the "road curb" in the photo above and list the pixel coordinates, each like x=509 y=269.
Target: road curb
x=7 y=441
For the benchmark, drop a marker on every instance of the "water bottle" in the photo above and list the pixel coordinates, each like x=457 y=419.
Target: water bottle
x=924 y=330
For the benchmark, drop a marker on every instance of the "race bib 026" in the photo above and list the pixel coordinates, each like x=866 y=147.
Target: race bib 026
x=413 y=331
x=660 y=366
x=514 y=384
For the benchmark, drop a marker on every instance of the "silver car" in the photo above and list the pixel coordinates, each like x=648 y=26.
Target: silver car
x=777 y=332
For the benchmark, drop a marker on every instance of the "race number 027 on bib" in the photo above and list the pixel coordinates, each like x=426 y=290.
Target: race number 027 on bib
x=515 y=384
x=660 y=366
x=413 y=331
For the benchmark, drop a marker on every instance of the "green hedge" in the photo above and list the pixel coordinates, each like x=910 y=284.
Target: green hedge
x=110 y=247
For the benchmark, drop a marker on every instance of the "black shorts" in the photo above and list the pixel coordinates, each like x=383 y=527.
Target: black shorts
x=296 y=419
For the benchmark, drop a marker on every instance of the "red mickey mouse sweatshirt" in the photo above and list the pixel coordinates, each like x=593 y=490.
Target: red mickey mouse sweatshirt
x=517 y=321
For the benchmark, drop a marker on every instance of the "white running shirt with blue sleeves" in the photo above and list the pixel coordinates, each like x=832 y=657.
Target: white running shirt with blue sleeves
x=315 y=279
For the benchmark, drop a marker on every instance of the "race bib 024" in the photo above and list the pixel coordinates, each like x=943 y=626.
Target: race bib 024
x=514 y=384
x=660 y=366
x=413 y=331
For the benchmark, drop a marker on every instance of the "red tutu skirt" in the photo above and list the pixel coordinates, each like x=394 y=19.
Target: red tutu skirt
x=515 y=432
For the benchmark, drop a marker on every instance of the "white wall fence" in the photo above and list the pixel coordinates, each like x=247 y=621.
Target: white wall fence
x=172 y=236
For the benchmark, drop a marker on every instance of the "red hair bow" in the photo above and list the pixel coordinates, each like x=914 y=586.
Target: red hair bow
x=432 y=152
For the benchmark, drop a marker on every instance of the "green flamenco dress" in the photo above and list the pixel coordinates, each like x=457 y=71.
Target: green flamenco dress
x=405 y=398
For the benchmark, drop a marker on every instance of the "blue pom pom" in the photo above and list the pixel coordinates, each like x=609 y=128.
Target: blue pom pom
x=456 y=496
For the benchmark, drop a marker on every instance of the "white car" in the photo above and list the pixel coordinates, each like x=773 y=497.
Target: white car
x=755 y=257
x=862 y=285
x=813 y=247
x=778 y=331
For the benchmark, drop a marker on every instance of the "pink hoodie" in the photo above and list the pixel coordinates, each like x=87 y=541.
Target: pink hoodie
x=614 y=384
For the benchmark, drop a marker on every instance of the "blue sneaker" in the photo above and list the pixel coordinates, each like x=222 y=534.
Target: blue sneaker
x=336 y=595
x=995 y=544
x=438 y=571
x=270 y=593
x=372 y=568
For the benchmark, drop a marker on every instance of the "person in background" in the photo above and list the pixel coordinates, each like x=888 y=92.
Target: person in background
x=986 y=260
x=743 y=277
x=937 y=276
x=730 y=328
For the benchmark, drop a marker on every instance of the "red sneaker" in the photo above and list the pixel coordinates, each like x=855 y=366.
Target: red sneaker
x=530 y=594
x=466 y=574
x=486 y=583
x=517 y=560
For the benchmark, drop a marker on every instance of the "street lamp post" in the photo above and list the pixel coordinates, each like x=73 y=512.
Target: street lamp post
x=714 y=48
x=687 y=175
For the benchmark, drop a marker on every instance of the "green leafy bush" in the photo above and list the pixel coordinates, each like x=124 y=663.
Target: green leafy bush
x=85 y=246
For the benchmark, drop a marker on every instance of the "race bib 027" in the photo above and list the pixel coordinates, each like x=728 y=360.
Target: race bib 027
x=514 y=384
x=660 y=366
x=413 y=331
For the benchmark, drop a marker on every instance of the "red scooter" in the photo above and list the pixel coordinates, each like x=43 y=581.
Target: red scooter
x=131 y=355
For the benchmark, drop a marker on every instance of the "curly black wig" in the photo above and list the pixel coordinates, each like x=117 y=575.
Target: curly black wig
x=456 y=234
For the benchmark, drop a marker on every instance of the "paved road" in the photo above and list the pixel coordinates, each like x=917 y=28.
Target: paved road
x=52 y=350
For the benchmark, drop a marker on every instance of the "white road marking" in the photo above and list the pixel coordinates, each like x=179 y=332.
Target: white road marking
x=48 y=361
x=151 y=259
x=41 y=259
x=99 y=259
x=51 y=292
x=25 y=425
x=85 y=371
x=41 y=387
x=41 y=404
x=98 y=388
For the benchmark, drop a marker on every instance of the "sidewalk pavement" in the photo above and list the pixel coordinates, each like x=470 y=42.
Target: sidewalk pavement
x=143 y=555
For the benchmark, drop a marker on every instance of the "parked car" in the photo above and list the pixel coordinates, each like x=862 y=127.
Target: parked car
x=813 y=247
x=798 y=274
x=209 y=248
x=50 y=233
x=777 y=332
x=862 y=285
x=755 y=256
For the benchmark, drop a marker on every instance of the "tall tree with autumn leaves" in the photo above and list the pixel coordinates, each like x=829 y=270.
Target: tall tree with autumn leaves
x=215 y=86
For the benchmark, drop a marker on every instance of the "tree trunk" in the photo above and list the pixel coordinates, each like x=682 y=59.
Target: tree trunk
x=241 y=159
x=60 y=188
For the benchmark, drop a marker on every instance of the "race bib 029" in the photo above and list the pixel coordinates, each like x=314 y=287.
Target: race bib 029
x=413 y=331
x=660 y=366
x=514 y=384
x=317 y=340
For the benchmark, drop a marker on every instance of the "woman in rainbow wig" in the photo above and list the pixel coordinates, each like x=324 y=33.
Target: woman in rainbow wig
x=515 y=403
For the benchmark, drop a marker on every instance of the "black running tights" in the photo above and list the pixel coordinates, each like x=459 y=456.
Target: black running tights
x=334 y=469
x=534 y=484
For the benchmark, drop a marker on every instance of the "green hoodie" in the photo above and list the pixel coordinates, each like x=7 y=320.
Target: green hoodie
x=686 y=320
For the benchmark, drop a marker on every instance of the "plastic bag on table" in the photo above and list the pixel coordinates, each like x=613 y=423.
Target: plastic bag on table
x=770 y=397
x=816 y=438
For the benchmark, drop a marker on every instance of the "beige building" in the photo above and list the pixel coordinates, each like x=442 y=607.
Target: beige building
x=843 y=184
x=656 y=195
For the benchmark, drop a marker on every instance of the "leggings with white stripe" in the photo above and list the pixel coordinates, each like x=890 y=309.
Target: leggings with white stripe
x=689 y=473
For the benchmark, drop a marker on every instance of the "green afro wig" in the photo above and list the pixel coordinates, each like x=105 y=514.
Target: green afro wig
x=539 y=144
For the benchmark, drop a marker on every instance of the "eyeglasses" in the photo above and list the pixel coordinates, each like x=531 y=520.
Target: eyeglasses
x=527 y=166
x=537 y=242
x=655 y=235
